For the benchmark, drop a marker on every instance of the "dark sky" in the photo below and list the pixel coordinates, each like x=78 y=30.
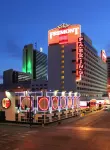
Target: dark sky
x=27 y=21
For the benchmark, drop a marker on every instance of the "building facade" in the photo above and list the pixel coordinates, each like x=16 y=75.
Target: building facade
x=108 y=69
x=34 y=62
x=12 y=77
x=73 y=62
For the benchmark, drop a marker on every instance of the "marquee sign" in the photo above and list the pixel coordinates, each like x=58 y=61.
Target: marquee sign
x=64 y=34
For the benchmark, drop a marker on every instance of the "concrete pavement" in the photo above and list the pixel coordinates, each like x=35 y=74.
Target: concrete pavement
x=90 y=133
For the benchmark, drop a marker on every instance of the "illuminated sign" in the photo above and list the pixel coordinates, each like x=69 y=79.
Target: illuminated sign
x=64 y=34
x=63 y=102
x=80 y=56
x=109 y=94
x=65 y=31
x=55 y=101
x=43 y=103
x=103 y=55
x=6 y=103
x=25 y=103
x=70 y=101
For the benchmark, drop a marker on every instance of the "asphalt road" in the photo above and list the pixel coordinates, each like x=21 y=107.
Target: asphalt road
x=89 y=133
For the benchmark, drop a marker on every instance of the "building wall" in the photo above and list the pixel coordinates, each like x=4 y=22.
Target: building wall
x=60 y=67
x=69 y=67
x=34 y=62
x=37 y=85
x=10 y=112
x=7 y=76
x=41 y=65
x=28 y=59
x=94 y=80
x=11 y=77
x=54 y=67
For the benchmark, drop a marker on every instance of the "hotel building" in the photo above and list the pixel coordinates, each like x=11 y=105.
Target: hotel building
x=73 y=62
x=34 y=62
x=108 y=69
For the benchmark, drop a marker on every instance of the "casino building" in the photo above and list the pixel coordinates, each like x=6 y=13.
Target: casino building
x=73 y=62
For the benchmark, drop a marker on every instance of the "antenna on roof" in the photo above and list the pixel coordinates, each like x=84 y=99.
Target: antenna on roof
x=41 y=49
x=36 y=45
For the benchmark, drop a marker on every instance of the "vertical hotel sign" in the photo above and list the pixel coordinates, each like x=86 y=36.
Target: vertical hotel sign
x=80 y=56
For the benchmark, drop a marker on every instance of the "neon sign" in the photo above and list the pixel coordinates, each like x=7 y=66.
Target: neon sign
x=43 y=103
x=6 y=103
x=80 y=56
x=63 y=102
x=103 y=56
x=64 y=34
x=55 y=100
x=65 y=31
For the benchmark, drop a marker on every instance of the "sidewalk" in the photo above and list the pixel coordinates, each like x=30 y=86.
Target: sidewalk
x=67 y=120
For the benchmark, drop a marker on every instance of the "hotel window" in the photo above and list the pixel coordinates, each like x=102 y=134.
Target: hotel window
x=62 y=46
x=62 y=61
x=62 y=66
x=62 y=77
x=62 y=51
x=62 y=82
x=62 y=87
x=62 y=56
x=62 y=72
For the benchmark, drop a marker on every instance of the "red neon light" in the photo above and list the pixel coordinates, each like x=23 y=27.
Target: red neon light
x=103 y=56
x=54 y=102
x=69 y=102
x=6 y=103
x=109 y=94
x=62 y=102
x=80 y=56
x=43 y=103
x=25 y=101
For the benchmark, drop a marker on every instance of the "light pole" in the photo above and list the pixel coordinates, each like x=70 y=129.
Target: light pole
x=44 y=105
x=30 y=110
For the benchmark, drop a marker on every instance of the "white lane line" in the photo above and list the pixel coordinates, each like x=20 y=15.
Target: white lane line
x=4 y=134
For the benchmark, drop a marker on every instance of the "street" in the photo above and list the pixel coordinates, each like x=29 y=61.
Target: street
x=91 y=132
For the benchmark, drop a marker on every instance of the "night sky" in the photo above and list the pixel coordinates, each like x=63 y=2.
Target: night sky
x=28 y=21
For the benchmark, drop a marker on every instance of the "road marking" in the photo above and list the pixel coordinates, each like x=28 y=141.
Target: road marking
x=5 y=134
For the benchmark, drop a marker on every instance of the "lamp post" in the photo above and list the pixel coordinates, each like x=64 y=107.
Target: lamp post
x=30 y=110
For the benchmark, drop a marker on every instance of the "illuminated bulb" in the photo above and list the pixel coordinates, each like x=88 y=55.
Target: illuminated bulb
x=55 y=93
x=75 y=94
x=41 y=49
x=63 y=93
x=70 y=93
x=7 y=94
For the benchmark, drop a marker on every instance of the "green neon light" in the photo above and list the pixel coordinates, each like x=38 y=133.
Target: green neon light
x=29 y=68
